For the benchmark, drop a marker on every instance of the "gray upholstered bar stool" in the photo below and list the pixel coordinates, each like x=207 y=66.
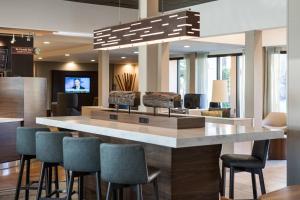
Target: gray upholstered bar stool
x=81 y=158
x=25 y=146
x=49 y=150
x=125 y=166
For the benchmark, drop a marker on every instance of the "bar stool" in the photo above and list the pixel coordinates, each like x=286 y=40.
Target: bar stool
x=81 y=158
x=25 y=146
x=49 y=150
x=125 y=166
x=253 y=164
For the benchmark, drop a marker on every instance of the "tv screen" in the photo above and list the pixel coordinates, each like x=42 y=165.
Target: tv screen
x=77 y=84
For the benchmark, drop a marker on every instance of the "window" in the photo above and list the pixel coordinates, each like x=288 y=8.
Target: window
x=224 y=74
x=182 y=77
x=173 y=76
x=211 y=75
x=278 y=82
x=178 y=76
x=240 y=86
x=230 y=68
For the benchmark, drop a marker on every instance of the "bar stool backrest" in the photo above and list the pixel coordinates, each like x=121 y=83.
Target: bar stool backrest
x=81 y=154
x=123 y=164
x=260 y=150
x=49 y=146
x=25 y=140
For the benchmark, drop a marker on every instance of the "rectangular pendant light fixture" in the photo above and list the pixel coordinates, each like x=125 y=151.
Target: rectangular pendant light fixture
x=166 y=28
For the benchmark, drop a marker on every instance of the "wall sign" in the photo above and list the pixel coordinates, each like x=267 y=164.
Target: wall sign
x=22 y=50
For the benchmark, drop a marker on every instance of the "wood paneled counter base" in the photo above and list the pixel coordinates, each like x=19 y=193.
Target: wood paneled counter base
x=186 y=173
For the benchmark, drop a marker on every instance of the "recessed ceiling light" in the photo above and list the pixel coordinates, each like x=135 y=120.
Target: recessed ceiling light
x=123 y=57
x=73 y=34
x=67 y=54
x=46 y=42
x=186 y=46
x=135 y=52
x=40 y=58
x=93 y=60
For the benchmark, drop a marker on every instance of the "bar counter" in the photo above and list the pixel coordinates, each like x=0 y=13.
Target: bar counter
x=188 y=158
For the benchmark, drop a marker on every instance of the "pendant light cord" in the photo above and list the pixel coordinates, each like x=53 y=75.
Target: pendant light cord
x=139 y=11
x=119 y=11
x=162 y=7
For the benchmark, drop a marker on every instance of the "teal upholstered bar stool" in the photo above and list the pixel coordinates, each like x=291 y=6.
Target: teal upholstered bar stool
x=81 y=158
x=49 y=150
x=25 y=146
x=125 y=166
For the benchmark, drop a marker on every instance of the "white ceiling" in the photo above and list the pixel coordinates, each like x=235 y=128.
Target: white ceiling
x=81 y=50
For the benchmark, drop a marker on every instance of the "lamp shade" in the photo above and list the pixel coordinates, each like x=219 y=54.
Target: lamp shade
x=220 y=91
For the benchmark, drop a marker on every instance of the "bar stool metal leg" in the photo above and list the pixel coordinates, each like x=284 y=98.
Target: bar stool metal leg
x=27 y=179
x=120 y=194
x=49 y=189
x=139 y=192
x=42 y=177
x=254 y=185
x=155 y=185
x=262 y=182
x=80 y=187
x=56 y=181
x=231 y=186
x=22 y=163
x=223 y=180
x=70 y=186
x=67 y=175
x=98 y=185
x=109 y=191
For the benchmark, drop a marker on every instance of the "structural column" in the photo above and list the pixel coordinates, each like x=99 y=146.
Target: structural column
x=191 y=66
x=233 y=82
x=154 y=58
x=254 y=76
x=293 y=136
x=103 y=78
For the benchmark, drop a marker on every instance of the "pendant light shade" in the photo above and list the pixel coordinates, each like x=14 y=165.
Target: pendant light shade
x=172 y=27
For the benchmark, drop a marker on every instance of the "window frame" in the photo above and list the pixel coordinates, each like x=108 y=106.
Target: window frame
x=219 y=75
x=177 y=68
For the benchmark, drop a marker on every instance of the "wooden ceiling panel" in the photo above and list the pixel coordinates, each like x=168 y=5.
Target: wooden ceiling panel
x=167 y=4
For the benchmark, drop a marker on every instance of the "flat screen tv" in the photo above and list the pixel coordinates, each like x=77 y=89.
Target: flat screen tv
x=77 y=84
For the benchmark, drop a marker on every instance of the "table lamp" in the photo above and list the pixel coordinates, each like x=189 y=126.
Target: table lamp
x=220 y=92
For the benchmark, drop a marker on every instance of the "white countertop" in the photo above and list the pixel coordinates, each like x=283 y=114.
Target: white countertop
x=211 y=134
x=6 y=120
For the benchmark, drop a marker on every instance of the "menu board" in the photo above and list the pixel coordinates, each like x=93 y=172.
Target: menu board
x=3 y=58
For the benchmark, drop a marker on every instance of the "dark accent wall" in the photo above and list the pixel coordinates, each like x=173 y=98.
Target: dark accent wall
x=18 y=64
x=58 y=85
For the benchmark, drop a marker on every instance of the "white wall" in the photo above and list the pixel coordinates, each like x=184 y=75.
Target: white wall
x=235 y=16
x=274 y=37
x=120 y=69
x=43 y=69
x=60 y=15
x=217 y=18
